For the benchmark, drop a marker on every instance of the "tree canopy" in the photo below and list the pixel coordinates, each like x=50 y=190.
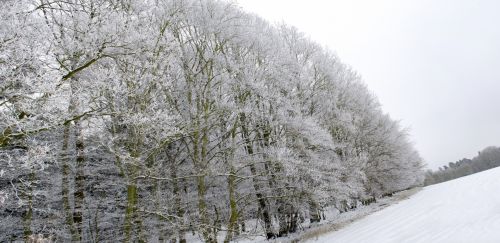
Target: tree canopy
x=145 y=120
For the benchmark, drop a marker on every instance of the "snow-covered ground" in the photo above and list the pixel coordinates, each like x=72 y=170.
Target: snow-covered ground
x=462 y=210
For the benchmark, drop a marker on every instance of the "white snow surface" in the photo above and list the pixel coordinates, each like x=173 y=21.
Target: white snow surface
x=465 y=210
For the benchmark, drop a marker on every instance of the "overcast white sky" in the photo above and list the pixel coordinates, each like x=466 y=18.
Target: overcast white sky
x=434 y=64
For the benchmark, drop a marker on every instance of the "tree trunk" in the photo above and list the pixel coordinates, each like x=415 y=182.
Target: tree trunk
x=65 y=183
x=177 y=200
x=233 y=217
x=314 y=211
x=232 y=225
x=78 y=194
x=201 y=187
x=130 y=212
x=28 y=215
x=262 y=202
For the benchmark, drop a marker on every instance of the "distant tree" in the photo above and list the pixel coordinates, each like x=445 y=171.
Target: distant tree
x=486 y=159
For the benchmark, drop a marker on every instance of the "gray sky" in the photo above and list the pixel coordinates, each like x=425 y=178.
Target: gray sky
x=433 y=64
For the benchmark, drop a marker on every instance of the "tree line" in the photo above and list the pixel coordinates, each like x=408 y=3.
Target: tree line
x=159 y=120
x=486 y=159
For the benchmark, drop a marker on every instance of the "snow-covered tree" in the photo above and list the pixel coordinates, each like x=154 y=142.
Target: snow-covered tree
x=146 y=120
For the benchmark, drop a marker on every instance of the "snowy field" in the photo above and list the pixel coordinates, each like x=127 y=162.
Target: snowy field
x=464 y=210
